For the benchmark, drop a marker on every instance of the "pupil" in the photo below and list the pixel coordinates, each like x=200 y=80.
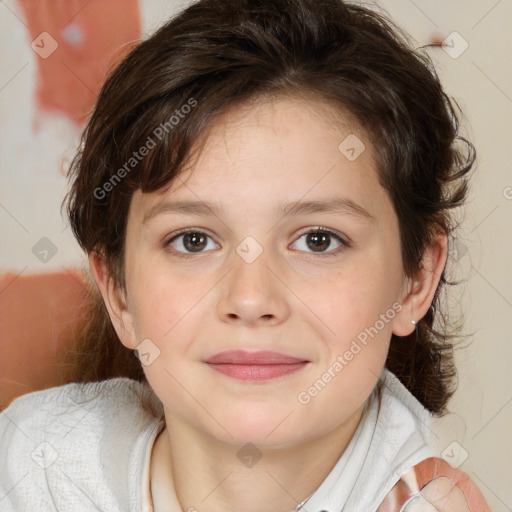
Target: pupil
x=319 y=240
x=194 y=242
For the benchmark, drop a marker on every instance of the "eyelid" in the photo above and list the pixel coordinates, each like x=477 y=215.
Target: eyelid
x=322 y=229
x=185 y=231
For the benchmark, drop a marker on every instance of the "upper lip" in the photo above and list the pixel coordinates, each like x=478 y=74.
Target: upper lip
x=253 y=358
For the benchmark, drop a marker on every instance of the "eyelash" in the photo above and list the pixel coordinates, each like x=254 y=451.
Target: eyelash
x=345 y=242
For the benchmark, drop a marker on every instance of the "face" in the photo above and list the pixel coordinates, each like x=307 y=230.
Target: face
x=287 y=244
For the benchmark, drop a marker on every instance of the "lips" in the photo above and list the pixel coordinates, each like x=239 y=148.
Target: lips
x=241 y=357
x=255 y=366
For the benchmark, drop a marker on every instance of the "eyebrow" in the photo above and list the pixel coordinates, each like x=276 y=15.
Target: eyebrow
x=202 y=208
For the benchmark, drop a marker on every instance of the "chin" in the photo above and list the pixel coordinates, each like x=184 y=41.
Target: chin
x=265 y=431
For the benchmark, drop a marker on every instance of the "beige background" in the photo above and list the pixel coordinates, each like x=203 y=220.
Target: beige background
x=481 y=80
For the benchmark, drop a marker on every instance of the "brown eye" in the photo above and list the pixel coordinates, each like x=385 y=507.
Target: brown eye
x=318 y=242
x=191 y=242
x=321 y=241
x=194 y=242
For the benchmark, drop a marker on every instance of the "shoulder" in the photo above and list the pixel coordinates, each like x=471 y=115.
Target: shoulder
x=76 y=391
x=54 y=410
x=426 y=480
x=69 y=434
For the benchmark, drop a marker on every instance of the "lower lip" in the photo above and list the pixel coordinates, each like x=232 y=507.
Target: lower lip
x=257 y=372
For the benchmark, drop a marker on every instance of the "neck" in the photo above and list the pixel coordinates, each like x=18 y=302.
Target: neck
x=211 y=475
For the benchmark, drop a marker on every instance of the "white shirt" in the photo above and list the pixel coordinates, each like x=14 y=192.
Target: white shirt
x=87 y=447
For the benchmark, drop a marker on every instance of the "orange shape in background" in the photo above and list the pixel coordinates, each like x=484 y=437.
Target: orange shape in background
x=91 y=36
x=39 y=316
x=75 y=44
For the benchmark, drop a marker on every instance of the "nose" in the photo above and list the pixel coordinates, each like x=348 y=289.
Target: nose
x=252 y=294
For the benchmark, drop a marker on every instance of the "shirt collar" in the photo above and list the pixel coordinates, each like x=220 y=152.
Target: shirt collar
x=392 y=436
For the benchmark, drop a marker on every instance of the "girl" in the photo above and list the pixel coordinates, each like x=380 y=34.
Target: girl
x=264 y=192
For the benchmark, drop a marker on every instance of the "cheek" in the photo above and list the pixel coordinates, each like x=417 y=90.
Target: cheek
x=159 y=300
x=349 y=300
x=354 y=310
x=169 y=307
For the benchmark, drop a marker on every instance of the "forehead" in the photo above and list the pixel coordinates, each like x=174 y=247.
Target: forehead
x=273 y=150
x=284 y=117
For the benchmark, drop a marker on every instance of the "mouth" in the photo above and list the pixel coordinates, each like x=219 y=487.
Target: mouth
x=255 y=366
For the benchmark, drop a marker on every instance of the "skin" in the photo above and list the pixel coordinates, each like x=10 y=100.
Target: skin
x=291 y=299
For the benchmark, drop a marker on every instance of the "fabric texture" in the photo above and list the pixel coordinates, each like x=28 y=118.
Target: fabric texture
x=86 y=447
x=433 y=485
x=77 y=447
x=393 y=435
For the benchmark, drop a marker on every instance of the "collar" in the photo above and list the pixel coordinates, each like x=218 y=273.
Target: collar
x=392 y=436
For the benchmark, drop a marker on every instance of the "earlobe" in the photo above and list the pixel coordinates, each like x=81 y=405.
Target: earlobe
x=114 y=299
x=422 y=286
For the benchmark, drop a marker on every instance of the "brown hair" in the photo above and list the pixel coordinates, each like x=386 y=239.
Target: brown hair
x=218 y=53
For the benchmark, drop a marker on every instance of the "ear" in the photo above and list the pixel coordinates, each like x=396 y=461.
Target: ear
x=115 y=300
x=420 y=288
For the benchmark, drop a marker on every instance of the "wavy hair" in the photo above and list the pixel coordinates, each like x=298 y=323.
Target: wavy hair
x=227 y=52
